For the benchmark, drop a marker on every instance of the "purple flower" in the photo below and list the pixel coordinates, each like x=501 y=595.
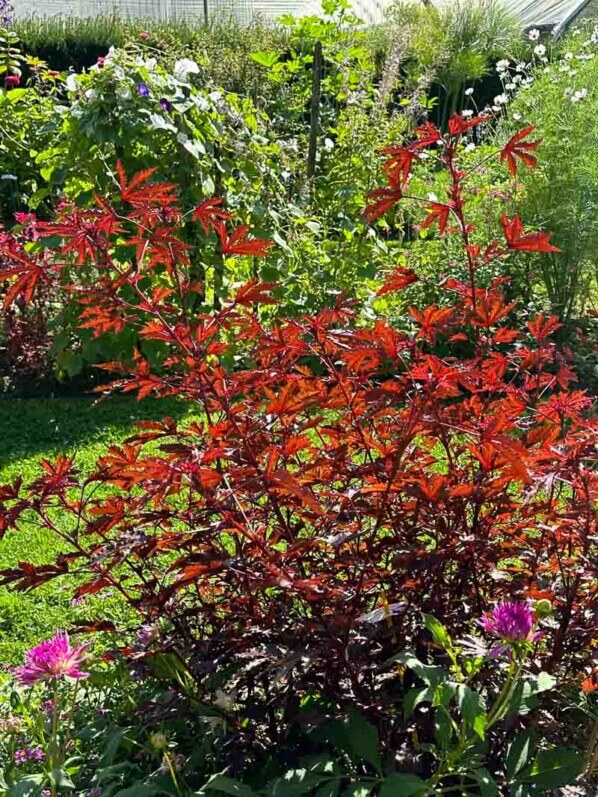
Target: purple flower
x=6 y=13
x=29 y=754
x=146 y=635
x=165 y=104
x=52 y=659
x=95 y=791
x=512 y=622
x=48 y=706
x=143 y=90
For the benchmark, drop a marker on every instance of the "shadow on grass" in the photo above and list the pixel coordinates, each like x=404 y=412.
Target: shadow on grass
x=47 y=427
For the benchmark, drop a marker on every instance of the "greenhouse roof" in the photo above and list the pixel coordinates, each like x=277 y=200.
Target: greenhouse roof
x=552 y=14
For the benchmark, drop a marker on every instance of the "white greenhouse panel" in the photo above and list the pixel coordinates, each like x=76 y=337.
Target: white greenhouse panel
x=244 y=10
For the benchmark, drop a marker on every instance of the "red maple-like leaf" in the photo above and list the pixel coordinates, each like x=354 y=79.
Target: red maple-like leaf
x=210 y=212
x=399 y=279
x=438 y=212
x=399 y=163
x=238 y=243
x=137 y=192
x=381 y=200
x=459 y=124
x=518 y=147
x=541 y=327
x=426 y=134
x=530 y=242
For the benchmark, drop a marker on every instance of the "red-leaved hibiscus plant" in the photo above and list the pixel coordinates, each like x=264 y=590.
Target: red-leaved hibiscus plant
x=341 y=477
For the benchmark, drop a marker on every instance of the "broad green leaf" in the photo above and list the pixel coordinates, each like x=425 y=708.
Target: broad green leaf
x=330 y=789
x=27 y=786
x=554 y=768
x=61 y=779
x=402 y=784
x=442 y=727
x=140 y=790
x=357 y=790
x=430 y=674
x=519 y=752
x=439 y=633
x=472 y=710
x=265 y=58
x=487 y=784
x=416 y=696
x=363 y=738
x=226 y=785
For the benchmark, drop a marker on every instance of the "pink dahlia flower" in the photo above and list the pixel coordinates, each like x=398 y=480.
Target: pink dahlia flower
x=52 y=659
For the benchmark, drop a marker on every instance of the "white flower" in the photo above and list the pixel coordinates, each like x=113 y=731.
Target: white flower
x=123 y=92
x=423 y=156
x=91 y=94
x=568 y=56
x=470 y=147
x=467 y=113
x=533 y=35
x=495 y=108
x=540 y=50
x=225 y=702
x=8 y=177
x=501 y=99
x=432 y=197
x=517 y=78
x=503 y=65
x=510 y=86
x=150 y=64
x=469 y=92
x=517 y=117
x=184 y=67
x=71 y=82
x=579 y=95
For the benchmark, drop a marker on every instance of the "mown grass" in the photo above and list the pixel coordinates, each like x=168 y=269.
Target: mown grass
x=33 y=429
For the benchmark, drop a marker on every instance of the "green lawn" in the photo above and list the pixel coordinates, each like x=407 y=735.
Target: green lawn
x=32 y=429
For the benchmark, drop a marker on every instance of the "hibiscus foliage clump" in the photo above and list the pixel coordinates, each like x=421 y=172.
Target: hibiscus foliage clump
x=341 y=477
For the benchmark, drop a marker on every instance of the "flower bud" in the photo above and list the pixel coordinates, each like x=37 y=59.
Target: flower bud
x=543 y=607
x=158 y=741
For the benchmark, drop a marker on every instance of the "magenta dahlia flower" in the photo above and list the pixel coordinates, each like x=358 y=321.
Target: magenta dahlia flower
x=52 y=659
x=511 y=621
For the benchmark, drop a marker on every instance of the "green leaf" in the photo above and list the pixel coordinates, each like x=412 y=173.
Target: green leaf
x=265 y=58
x=439 y=633
x=140 y=790
x=519 y=752
x=27 y=786
x=401 y=784
x=487 y=784
x=430 y=675
x=357 y=790
x=472 y=710
x=554 y=768
x=363 y=738
x=416 y=696
x=442 y=727
x=61 y=779
x=330 y=789
x=16 y=94
x=223 y=783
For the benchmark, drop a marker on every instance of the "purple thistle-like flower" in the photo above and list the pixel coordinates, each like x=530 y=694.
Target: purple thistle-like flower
x=512 y=622
x=143 y=90
x=52 y=659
